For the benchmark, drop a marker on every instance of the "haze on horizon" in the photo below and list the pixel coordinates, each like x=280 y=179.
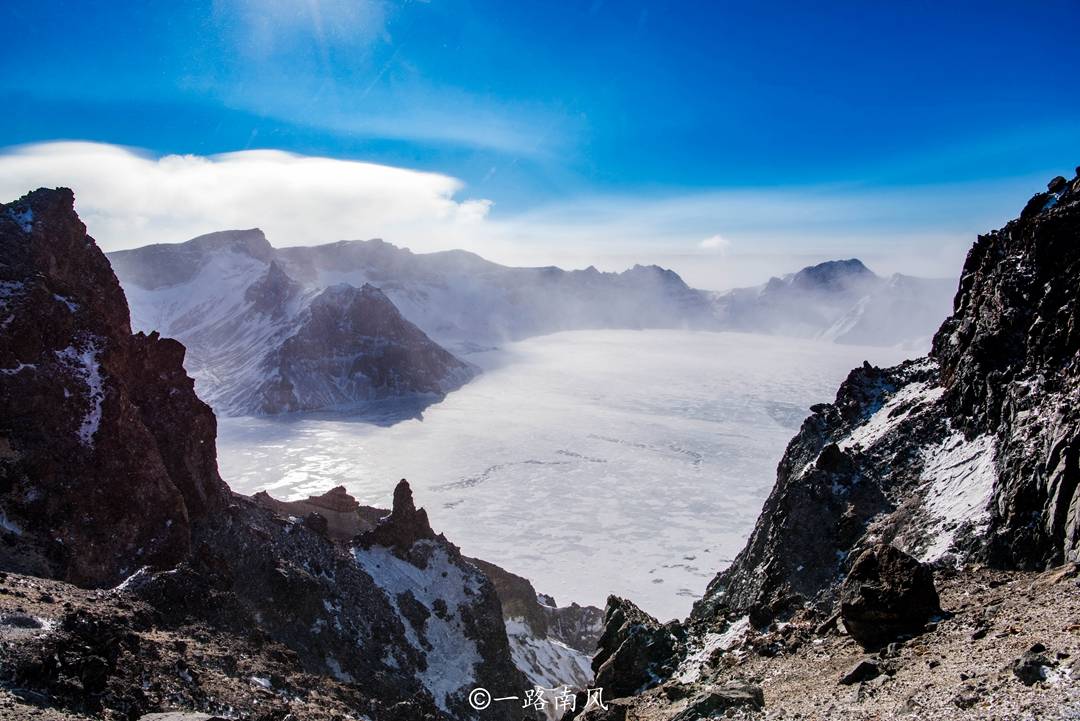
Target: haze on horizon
x=593 y=133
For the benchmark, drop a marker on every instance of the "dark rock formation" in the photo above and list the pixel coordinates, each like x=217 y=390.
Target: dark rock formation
x=579 y=627
x=88 y=428
x=405 y=525
x=352 y=345
x=1009 y=365
x=635 y=652
x=1032 y=667
x=886 y=594
x=716 y=700
x=863 y=670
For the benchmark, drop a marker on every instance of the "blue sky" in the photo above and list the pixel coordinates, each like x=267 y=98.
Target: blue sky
x=559 y=111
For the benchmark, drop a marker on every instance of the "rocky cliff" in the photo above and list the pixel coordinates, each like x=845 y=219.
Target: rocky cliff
x=969 y=454
x=351 y=345
x=88 y=429
x=205 y=600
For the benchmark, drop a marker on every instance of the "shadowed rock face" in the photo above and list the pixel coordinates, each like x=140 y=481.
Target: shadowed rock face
x=352 y=345
x=635 y=652
x=90 y=411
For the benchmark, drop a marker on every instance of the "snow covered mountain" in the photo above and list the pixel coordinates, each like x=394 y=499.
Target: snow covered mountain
x=259 y=342
x=842 y=301
x=302 y=328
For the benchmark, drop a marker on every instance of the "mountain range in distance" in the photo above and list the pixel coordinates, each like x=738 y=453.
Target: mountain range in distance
x=337 y=326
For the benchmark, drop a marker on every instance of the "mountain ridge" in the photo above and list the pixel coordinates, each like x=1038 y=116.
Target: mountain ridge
x=235 y=301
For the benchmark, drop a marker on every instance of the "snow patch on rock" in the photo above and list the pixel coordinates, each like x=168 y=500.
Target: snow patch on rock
x=690 y=668
x=9 y=525
x=24 y=217
x=546 y=662
x=84 y=364
x=959 y=477
x=451 y=654
x=892 y=413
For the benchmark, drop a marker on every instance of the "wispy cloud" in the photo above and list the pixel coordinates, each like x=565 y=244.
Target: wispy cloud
x=715 y=243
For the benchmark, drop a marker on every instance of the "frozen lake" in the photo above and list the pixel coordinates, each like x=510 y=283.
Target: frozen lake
x=592 y=462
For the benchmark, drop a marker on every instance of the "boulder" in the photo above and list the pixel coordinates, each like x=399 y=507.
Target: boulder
x=887 y=594
x=1032 y=667
x=863 y=670
x=715 y=700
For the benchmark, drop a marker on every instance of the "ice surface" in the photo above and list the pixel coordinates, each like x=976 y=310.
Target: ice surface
x=591 y=462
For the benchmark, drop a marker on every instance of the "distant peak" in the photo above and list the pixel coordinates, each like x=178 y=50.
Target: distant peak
x=832 y=273
x=251 y=241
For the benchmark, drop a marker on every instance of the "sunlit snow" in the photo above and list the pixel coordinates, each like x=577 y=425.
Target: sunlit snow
x=591 y=462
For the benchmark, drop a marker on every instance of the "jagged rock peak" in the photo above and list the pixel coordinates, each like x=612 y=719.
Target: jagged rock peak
x=405 y=525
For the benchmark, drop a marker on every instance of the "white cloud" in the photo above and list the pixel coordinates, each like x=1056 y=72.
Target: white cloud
x=715 y=243
x=128 y=198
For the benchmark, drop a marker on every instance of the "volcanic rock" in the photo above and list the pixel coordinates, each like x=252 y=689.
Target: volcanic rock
x=886 y=594
x=636 y=651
